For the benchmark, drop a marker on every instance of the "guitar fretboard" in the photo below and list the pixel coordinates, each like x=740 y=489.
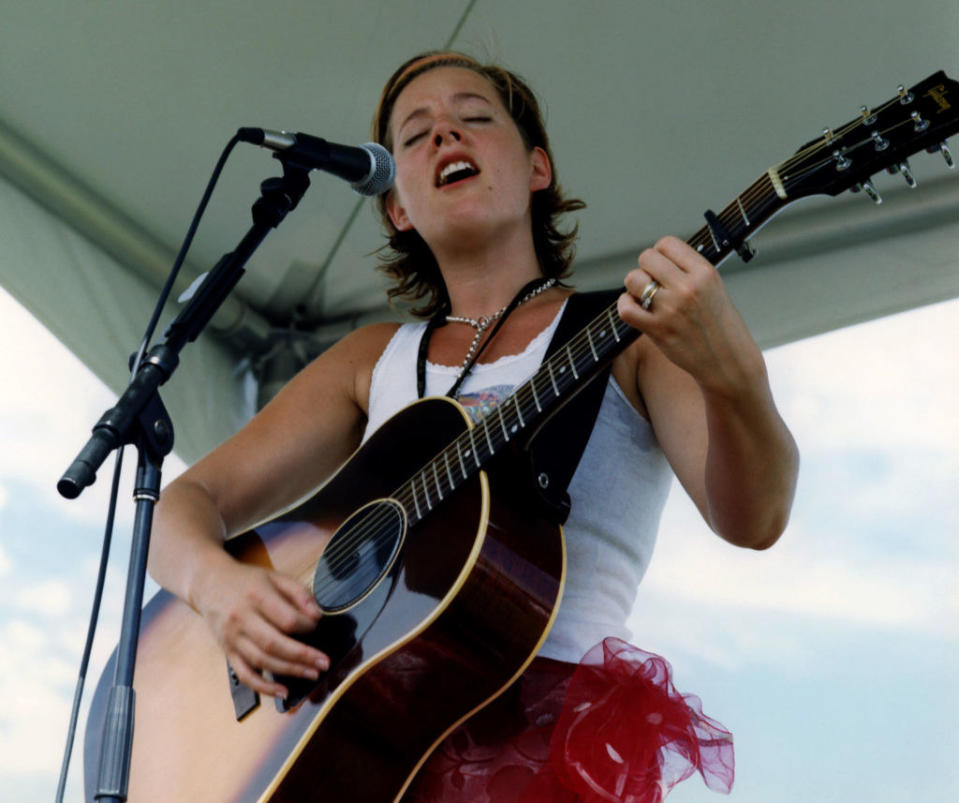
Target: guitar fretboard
x=571 y=367
x=743 y=217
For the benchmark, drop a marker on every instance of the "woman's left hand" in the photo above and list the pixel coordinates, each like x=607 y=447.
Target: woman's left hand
x=690 y=316
x=703 y=381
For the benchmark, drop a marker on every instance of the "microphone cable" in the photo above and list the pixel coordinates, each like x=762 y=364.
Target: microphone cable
x=118 y=464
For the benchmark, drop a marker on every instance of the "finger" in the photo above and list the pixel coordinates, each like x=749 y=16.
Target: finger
x=632 y=313
x=274 y=660
x=640 y=286
x=658 y=266
x=299 y=595
x=272 y=642
x=686 y=258
x=636 y=280
x=274 y=605
x=253 y=679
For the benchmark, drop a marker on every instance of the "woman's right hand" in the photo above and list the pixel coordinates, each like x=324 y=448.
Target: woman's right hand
x=252 y=612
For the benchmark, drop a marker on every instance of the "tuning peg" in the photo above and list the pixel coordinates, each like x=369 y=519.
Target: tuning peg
x=880 y=143
x=870 y=190
x=919 y=123
x=842 y=161
x=868 y=118
x=905 y=96
x=947 y=155
x=943 y=148
x=903 y=169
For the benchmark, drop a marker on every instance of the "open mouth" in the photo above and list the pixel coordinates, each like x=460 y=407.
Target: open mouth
x=456 y=171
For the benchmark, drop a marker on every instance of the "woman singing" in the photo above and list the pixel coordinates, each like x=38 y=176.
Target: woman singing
x=474 y=242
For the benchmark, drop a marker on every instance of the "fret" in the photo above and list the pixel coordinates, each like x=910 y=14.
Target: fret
x=704 y=235
x=485 y=426
x=569 y=356
x=519 y=412
x=532 y=385
x=713 y=235
x=449 y=474
x=549 y=368
x=416 y=504
x=502 y=423
x=426 y=491
x=592 y=348
x=472 y=431
x=739 y=219
x=401 y=496
x=612 y=321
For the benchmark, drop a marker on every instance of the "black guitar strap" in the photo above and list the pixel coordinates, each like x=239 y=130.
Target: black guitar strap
x=556 y=448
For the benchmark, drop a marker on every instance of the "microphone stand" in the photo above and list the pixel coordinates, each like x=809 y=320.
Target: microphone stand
x=140 y=418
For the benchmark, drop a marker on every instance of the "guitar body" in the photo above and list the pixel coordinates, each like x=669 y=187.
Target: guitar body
x=457 y=617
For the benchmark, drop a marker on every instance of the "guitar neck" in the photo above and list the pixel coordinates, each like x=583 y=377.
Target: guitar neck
x=743 y=217
x=570 y=368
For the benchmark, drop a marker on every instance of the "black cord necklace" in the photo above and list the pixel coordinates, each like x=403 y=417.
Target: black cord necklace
x=526 y=293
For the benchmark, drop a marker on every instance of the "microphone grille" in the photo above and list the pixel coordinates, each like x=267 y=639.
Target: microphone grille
x=382 y=171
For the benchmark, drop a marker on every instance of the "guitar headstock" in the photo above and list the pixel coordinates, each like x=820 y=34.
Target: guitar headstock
x=882 y=138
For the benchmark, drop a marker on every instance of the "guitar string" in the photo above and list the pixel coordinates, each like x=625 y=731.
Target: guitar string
x=755 y=190
x=839 y=133
x=402 y=494
x=339 y=553
x=731 y=215
x=343 y=551
x=852 y=148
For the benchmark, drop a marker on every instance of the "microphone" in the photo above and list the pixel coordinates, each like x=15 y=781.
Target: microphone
x=369 y=168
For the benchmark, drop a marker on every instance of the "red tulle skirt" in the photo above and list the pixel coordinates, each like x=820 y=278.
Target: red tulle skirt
x=612 y=728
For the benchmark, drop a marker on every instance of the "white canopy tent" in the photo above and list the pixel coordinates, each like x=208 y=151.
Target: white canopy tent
x=112 y=116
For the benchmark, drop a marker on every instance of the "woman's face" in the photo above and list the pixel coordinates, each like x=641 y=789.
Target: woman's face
x=461 y=163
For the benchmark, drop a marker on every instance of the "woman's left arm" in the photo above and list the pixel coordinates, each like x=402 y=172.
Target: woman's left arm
x=703 y=381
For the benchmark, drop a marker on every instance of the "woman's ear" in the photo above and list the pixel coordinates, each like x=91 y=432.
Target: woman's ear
x=397 y=213
x=542 y=171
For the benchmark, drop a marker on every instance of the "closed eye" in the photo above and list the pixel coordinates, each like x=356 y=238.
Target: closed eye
x=475 y=119
x=411 y=140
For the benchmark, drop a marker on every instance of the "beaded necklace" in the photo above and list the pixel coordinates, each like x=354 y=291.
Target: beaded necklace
x=481 y=324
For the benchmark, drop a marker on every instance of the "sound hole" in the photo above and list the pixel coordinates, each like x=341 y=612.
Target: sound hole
x=359 y=555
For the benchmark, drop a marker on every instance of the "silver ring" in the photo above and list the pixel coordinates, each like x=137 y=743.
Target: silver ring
x=646 y=298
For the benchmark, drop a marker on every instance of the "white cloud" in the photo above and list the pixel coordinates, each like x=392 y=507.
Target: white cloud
x=889 y=383
x=51 y=598
x=48 y=393
x=4 y=562
x=33 y=676
x=871 y=543
x=800 y=577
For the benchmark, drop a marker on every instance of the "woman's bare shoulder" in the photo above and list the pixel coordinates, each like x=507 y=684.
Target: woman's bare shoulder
x=355 y=356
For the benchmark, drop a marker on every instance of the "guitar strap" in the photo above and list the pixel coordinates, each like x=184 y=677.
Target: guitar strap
x=556 y=447
x=553 y=451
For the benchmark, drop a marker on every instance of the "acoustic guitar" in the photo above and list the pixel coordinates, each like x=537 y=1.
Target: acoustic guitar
x=438 y=577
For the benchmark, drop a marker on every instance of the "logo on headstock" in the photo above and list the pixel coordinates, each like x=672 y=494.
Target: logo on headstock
x=938 y=94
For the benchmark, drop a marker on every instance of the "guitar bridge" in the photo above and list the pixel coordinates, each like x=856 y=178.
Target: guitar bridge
x=244 y=698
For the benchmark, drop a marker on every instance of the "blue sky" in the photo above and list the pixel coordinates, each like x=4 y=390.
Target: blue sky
x=833 y=657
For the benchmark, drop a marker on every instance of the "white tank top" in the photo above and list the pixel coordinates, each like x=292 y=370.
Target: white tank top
x=617 y=492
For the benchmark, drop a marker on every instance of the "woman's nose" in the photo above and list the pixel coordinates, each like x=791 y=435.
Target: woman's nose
x=446 y=133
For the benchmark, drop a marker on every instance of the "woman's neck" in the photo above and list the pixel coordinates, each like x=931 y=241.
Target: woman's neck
x=482 y=279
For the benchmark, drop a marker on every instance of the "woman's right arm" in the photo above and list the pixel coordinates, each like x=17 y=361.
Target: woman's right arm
x=295 y=443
